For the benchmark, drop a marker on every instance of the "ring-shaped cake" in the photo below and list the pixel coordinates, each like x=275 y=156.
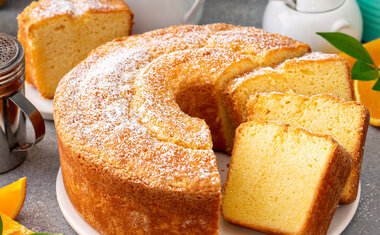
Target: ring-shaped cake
x=137 y=121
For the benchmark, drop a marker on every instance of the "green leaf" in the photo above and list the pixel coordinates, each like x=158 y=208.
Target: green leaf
x=363 y=71
x=348 y=45
x=1 y=226
x=376 y=87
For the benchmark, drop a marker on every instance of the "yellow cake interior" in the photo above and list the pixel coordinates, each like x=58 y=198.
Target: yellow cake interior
x=55 y=45
x=346 y=122
x=274 y=176
x=312 y=74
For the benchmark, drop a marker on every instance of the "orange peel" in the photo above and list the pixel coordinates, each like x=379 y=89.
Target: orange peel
x=363 y=89
x=11 y=227
x=12 y=198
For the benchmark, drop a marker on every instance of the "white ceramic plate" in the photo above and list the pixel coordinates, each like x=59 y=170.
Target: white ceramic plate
x=45 y=106
x=342 y=217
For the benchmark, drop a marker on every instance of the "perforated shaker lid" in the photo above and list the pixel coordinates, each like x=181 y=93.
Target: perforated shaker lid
x=11 y=59
x=9 y=50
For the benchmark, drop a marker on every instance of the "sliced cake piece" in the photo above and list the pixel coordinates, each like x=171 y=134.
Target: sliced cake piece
x=314 y=73
x=346 y=122
x=284 y=180
x=58 y=34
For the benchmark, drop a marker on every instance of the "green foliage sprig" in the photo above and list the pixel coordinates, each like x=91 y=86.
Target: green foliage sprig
x=1 y=226
x=364 y=68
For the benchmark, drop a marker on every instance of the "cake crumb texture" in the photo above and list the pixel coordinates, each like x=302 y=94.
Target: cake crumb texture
x=346 y=122
x=311 y=74
x=58 y=34
x=284 y=180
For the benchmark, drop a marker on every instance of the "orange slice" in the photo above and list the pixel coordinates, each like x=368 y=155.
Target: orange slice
x=370 y=98
x=12 y=198
x=11 y=227
x=363 y=89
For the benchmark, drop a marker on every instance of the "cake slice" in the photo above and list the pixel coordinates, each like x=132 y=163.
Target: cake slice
x=346 y=122
x=58 y=34
x=284 y=180
x=311 y=74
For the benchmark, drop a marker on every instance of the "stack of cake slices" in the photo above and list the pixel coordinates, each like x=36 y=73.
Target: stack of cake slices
x=293 y=160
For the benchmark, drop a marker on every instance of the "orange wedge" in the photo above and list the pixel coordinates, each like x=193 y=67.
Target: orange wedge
x=11 y=227
x=370 y=98
x=363 y=89
x=12 y=198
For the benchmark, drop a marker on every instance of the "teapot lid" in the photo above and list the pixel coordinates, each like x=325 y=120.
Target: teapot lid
x=316 y=6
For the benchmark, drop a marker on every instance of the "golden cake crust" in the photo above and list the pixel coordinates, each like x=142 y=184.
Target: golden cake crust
x=102 y=135
x=115 y=205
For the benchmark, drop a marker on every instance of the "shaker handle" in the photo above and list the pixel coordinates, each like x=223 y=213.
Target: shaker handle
x=189 y=16
x=33 y=115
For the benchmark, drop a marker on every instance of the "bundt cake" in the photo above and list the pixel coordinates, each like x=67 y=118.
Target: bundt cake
x=284 y=180
x=58 y=34
x=197 y=73
x=138 y=118
x=311 y=74
x=346 y=122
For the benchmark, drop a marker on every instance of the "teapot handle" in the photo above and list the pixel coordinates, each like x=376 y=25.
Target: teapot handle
x=343 y=26
x=33 y=115
x=189 y=16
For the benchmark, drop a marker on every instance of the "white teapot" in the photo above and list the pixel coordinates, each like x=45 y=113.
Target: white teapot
x=301 y=19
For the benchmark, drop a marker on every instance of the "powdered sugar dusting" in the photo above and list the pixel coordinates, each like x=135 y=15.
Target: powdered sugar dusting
x=96 y=105
x=313 y=56
x=93 y=104
x=252 y=41
x=93 y=111
x=156 y=85
x=237 y=82
x=75 y=8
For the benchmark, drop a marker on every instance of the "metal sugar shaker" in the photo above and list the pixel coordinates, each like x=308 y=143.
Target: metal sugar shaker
x=15 y=109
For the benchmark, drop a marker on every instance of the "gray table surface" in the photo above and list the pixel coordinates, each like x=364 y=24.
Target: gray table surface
x=41 y=212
